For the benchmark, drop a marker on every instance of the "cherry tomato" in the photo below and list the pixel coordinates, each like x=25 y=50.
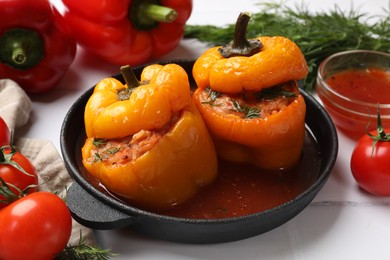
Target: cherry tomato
x=35 y=227
x=10 y=159
x=4 y=133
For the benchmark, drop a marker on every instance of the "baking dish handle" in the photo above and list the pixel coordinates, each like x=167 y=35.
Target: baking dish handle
x=92 y=213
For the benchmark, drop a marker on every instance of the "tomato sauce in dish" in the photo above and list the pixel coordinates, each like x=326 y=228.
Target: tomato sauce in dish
x=244 y=189
x=240 y=190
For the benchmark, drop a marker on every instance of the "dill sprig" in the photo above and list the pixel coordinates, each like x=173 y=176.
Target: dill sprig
x=99 y=142
x=248 y=111
x=317 y=34
x=212 y=96
x=82 y=251
x=112 y=150
x=275 y=92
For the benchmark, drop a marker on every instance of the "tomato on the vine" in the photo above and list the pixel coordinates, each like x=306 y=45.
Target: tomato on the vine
x=36 y=227
x=370 y=161
x=5 y=135
x=18 y=172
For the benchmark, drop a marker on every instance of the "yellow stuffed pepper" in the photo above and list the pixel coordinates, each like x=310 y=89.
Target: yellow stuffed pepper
x=248 y=96
x=146 y=141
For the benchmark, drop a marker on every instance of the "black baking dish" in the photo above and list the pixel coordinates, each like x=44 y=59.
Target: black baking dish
x=96 y=209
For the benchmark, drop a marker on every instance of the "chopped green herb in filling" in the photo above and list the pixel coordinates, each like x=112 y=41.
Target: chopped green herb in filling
x=250 y=105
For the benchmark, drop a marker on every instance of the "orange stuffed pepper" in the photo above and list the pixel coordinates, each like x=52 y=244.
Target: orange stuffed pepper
x=146 y=141
x=249 y=98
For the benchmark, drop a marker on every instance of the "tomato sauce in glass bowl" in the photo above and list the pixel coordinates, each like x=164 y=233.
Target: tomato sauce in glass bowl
x=352 y=85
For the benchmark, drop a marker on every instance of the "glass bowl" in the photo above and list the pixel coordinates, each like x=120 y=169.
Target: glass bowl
x=353 y=103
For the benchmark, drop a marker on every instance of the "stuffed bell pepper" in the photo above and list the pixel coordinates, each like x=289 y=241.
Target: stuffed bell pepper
x=146 y=141
x=249 y=98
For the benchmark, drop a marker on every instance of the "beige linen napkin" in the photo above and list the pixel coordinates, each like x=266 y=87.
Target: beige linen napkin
x=15 y=108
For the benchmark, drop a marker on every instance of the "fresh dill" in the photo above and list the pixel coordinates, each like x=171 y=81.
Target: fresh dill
x=97 y=158
x=112 y=150
x=318 y=35
x=212 y=96
x=83 y=251
x=99 y=142
x=248 y=111
x=275 y=92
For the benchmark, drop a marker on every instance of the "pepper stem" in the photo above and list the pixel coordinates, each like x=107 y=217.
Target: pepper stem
x=158 y=13
x=131 y=82
x=19 y=56
x=129 y=77
x=241 y=46
x=146 y=14
x=21 y=48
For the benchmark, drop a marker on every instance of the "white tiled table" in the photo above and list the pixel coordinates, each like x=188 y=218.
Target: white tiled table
x=341 y=223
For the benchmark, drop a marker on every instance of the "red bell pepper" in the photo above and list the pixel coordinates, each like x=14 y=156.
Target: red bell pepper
x=128 y=31
x=36 y=45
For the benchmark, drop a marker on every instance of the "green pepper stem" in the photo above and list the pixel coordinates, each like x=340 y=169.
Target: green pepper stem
x=21 y=48
x=158 y=13
x=131 y=82
x=146 y=14
x=129 y=77
x=241 y=46
x=19 y=55
x=240 y=41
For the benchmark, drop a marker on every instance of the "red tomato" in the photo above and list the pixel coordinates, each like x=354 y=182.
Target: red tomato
x=370 y=165
x=13 y=176
x=4 y=133
x=35 y=227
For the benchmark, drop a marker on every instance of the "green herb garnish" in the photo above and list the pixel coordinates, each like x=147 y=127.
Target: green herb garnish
x=103 y=155
x=248 y=111
x=275 y=92
x=319 y=35
x=211 y=97
x=99 y=142
x=83 y=251
x=112 y=150
x=97 y=158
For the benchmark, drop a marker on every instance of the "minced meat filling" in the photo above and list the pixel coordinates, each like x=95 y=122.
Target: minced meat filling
x=129 y=148
x=254 y=104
